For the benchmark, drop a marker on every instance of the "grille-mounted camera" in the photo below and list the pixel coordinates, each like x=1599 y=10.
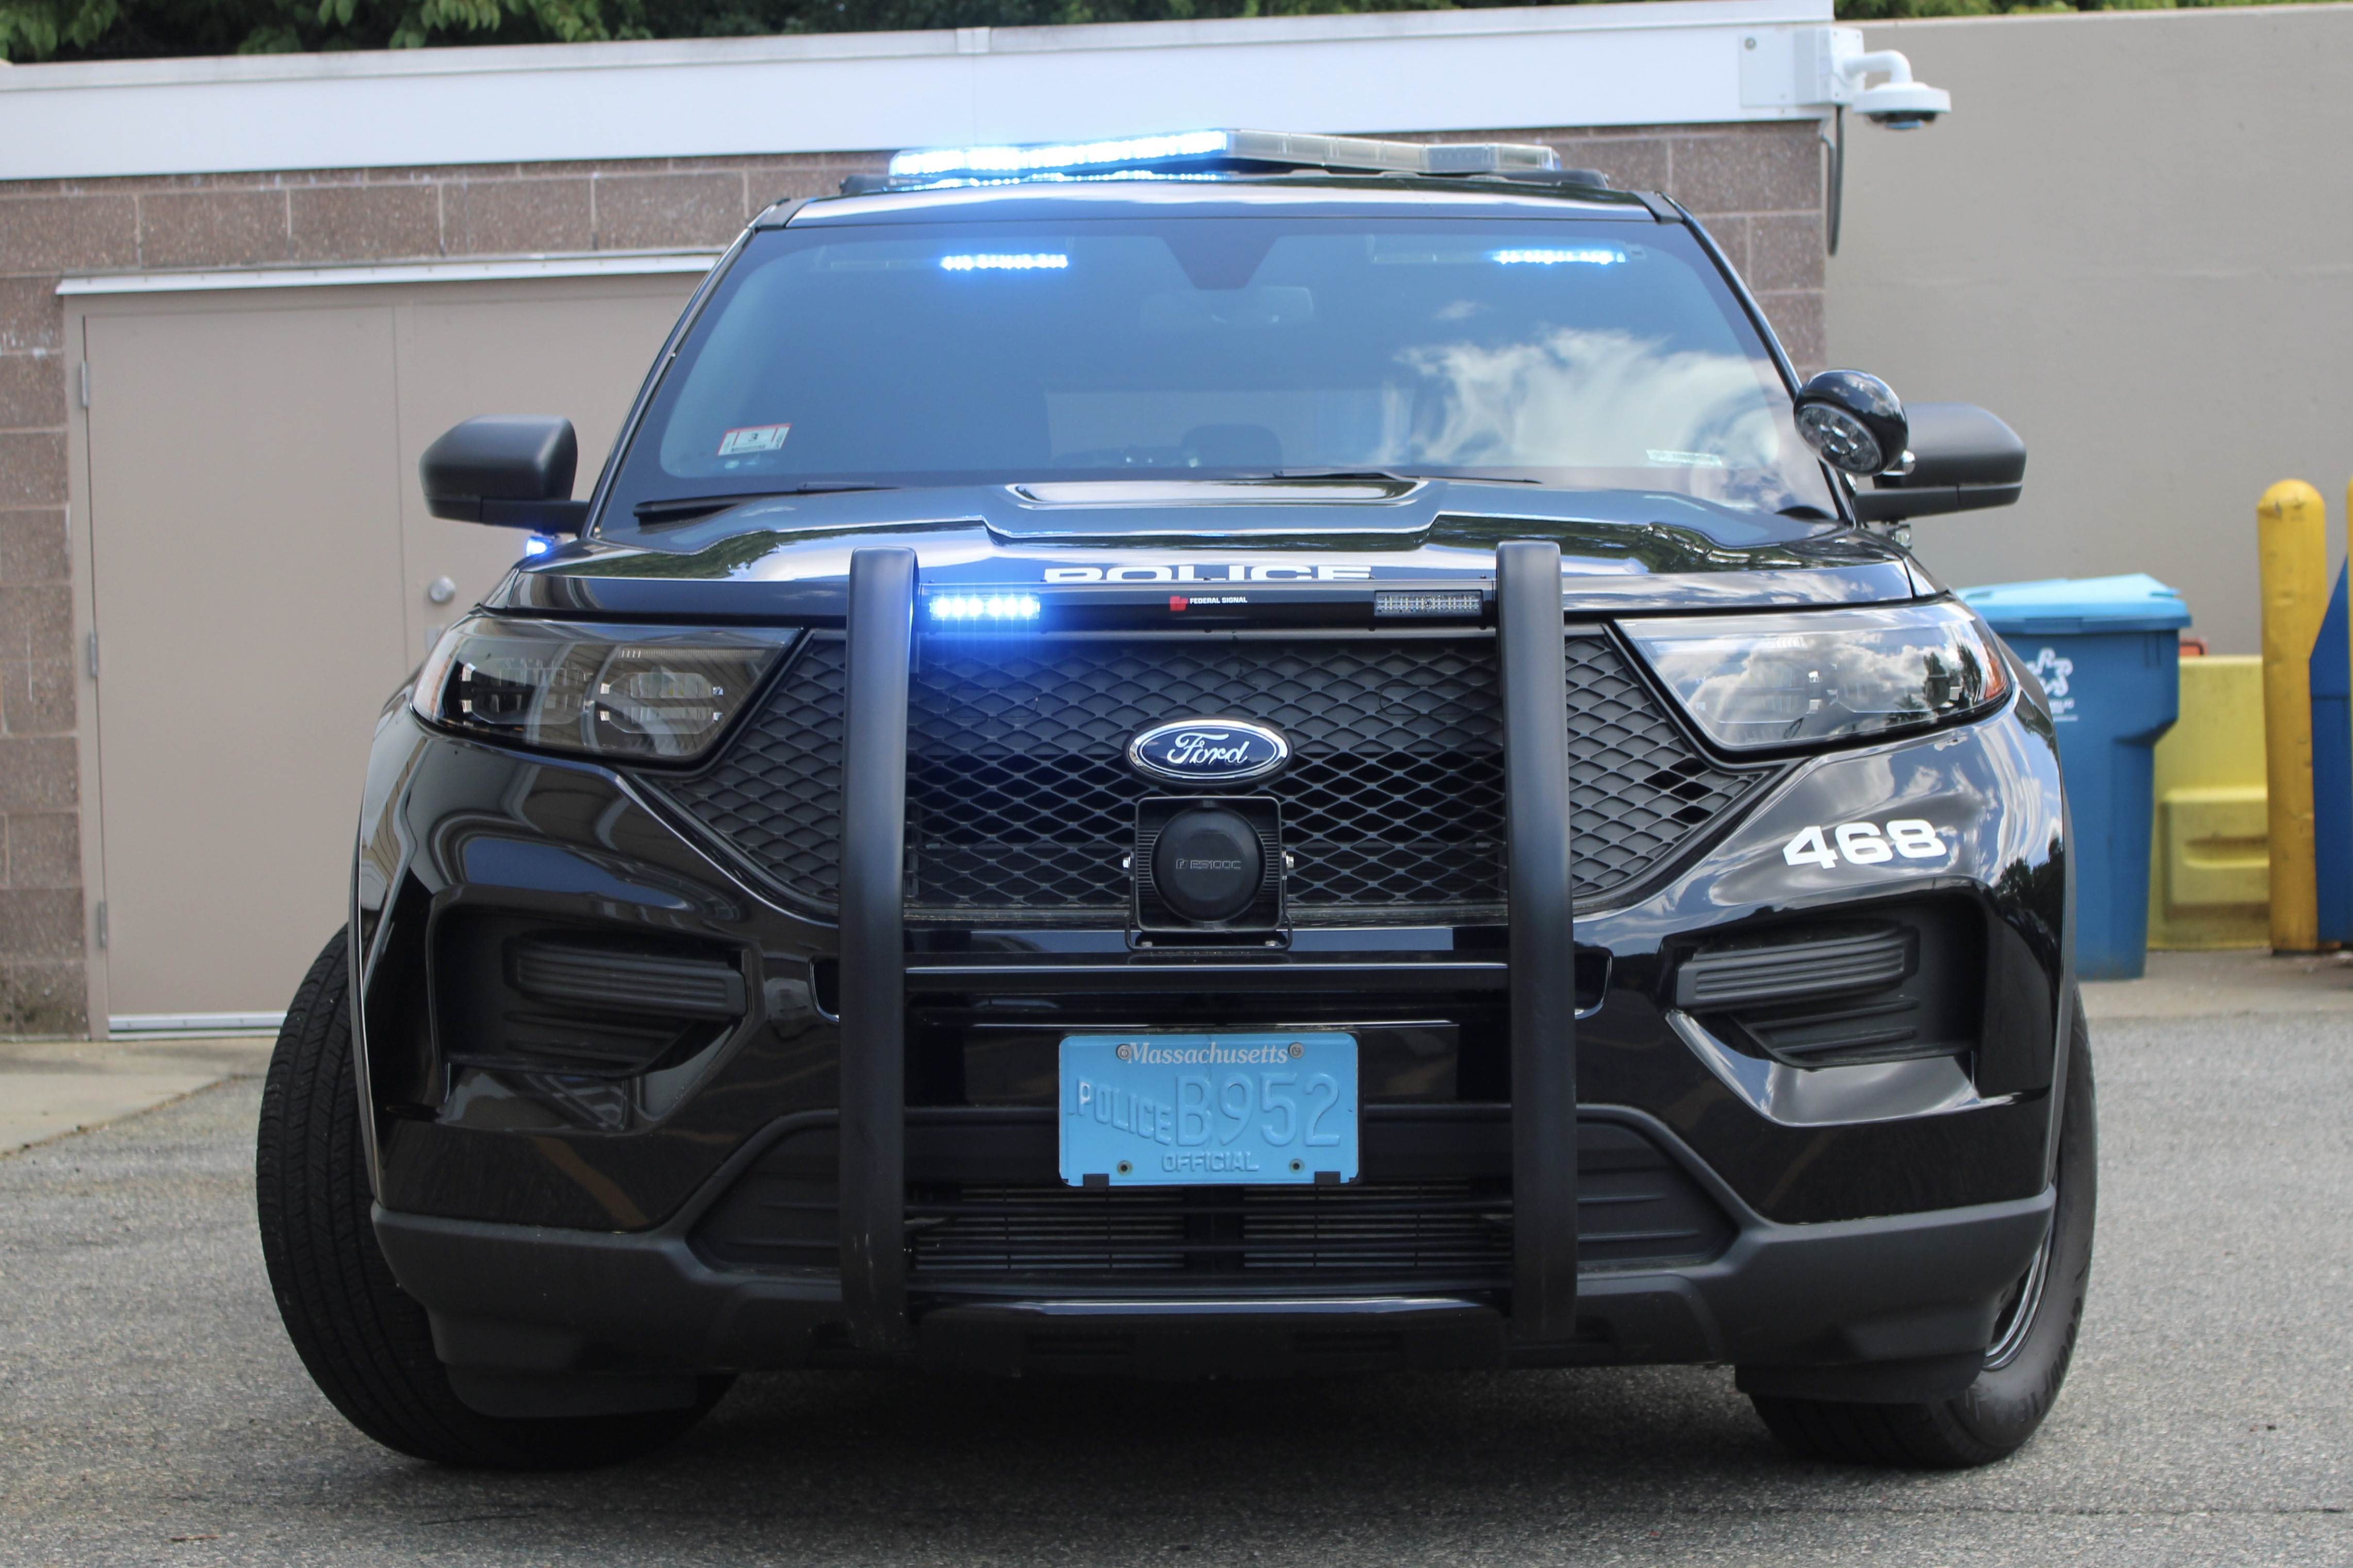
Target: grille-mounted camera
x=1207 y=869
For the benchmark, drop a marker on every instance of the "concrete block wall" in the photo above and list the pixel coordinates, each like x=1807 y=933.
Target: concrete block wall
x=1758 y=186
x=42 y=984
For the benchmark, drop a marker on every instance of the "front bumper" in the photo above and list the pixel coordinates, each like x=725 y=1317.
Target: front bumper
x=1906 y=1294
x=549 y=1223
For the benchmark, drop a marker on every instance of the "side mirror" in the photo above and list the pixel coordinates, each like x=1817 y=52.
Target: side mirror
x=510 y=471
x=1852 y=421
x=1962 y=458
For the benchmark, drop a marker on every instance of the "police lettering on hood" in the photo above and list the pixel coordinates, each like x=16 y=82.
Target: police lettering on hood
x=1215 y=572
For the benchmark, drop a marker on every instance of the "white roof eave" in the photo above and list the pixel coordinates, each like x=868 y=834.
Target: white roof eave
x=1661 y=62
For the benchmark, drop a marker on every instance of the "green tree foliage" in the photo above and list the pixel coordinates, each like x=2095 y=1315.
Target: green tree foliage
x=1890 y=10
x=118 y=29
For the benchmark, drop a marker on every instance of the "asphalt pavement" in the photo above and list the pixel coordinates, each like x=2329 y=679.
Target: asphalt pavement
x=151 y=1410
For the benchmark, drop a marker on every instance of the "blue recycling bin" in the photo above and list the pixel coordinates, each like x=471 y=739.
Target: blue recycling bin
x=2108 y=650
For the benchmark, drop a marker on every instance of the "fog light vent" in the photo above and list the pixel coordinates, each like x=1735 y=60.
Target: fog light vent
x=1840 y=993
x=577 y=975
x=521 y=996
x=1862 y=958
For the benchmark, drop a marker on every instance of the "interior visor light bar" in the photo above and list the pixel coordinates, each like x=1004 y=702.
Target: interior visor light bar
x=982 y=608
x=1589 y=256
x=1223 y=149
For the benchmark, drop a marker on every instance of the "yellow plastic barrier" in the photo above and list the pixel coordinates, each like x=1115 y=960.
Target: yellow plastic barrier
x=2291 y=542
x=2210 y=855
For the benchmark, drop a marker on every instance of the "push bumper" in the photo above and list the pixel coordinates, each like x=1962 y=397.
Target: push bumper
x=874 y=970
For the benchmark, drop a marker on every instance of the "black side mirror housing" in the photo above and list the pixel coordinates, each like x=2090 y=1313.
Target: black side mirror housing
x=1962 y=458
x=510 y=470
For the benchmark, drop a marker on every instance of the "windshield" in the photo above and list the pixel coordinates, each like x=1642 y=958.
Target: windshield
x=1585 y=354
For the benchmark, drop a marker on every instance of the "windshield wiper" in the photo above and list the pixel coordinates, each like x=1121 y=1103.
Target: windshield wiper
x=686 y=509
x=1382 y=476
x=1392 y=476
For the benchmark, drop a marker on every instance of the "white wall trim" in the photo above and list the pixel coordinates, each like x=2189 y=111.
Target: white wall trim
x=150 y=1026
x=1660 y=62
x=611 y=265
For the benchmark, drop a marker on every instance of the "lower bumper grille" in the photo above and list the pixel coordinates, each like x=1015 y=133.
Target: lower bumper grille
x=1433 y=1213
x=1438 y=1233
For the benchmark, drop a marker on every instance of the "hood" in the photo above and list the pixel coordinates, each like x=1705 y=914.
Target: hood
x=1231 y=545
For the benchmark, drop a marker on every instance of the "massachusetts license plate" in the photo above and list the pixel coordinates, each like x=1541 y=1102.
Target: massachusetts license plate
x=1160 y=1111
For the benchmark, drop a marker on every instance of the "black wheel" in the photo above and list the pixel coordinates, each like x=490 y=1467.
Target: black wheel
x=368 y=1345
x=2034 y=1337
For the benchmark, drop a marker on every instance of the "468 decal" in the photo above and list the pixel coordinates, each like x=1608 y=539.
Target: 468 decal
x=1864 y=844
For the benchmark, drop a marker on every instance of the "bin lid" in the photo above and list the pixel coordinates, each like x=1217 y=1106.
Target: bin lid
x=2058 y=607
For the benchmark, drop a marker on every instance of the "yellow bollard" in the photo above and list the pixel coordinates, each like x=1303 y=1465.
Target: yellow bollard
x=2291 y=540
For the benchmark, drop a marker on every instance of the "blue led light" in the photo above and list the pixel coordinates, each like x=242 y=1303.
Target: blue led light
x=1055 y=177
x=1588 y=256
x=1034 y=261
x=537 y=544
x=984 y=607
x=937 y=161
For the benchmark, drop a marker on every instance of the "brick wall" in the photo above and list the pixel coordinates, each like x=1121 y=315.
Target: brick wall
x=1758 y=188
x=41 y=925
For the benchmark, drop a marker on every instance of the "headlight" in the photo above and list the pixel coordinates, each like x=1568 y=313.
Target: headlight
x=614 y=690
x=1758 y=681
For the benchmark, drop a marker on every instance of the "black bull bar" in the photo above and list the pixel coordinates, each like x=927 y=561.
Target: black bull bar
x=1542 y=956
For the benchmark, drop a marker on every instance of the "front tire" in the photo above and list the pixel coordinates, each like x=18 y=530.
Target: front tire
x=367 y=1343
x=2034 y=1337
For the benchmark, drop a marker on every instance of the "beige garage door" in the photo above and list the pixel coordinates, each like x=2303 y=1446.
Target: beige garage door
x=262 y=578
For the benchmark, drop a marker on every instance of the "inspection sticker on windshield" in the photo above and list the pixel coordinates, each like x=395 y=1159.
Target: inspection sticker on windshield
x=1162 y=1110
x=754 y=438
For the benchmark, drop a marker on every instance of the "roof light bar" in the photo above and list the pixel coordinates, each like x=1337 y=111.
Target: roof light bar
x=1222 y=149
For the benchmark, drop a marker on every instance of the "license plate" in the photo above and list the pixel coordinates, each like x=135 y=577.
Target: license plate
x=1164 y=1111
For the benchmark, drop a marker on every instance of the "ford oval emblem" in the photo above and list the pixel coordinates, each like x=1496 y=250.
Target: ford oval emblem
x=1209 y=751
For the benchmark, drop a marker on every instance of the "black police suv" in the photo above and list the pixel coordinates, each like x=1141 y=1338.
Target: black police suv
x=1227 y=755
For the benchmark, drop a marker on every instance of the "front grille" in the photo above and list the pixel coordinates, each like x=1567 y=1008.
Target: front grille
x=775 y=794
x=1021 y=1229
x=1020 y=796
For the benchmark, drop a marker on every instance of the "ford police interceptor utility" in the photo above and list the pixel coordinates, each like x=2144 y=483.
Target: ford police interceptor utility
x=1229 y=755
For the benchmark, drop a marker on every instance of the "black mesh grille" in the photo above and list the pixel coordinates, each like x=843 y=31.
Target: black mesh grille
x=1020 y=796
x=775 y=795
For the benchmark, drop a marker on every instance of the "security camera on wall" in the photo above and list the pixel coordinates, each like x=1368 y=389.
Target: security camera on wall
x=1827 y=69
x=1898 y=103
